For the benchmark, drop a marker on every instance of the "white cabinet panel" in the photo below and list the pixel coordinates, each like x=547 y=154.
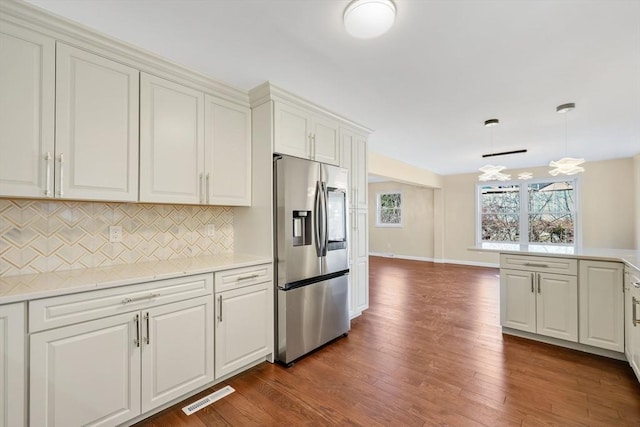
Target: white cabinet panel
x=227 y=152
x=96 y=127
x=27 y=85
x=632 y=326
x=359 y=263
x=299 y=132
x=177 y=350
x=325 y=141
x=171 y=142
x=602 y=304
x=12 y=366
x=517 y=300
x=244 y=327
x=292 y=130
x=360 y=172
x=85 y=374
x=557 y=306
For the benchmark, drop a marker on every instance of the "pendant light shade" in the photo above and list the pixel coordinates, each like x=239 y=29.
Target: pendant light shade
x=366 y=19
x=566 y=165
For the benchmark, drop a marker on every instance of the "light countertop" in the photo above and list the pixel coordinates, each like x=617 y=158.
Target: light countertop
x=34 y=286
x=631 y=257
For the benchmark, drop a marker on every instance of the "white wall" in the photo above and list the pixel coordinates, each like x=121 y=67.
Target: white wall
x=415 y=239
x=636 y=164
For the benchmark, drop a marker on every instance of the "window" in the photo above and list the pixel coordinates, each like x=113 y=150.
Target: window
x=389 y=209
x=542 y=211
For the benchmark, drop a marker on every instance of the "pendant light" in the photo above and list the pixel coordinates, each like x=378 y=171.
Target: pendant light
x=491 y=172
x=566 y=165
x=366 y=19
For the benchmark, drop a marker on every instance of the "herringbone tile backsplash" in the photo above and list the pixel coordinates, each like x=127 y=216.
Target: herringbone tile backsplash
x=38 y=236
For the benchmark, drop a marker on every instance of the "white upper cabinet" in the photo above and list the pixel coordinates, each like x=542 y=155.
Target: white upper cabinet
x=300 y=133
x=96 y=155
x=227 y=152
x=27 y=85
x=171 y=142
x=354 y=157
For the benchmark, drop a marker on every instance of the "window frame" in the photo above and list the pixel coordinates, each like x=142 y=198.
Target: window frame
x=524 y=211
x=379 y=206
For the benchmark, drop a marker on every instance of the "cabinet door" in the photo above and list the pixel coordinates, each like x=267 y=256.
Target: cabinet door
x=244 y=327
x=634 y=328
x=292 y=129
x=27 y=84
x=517 y=300
x=326 y=141
x=359 y=171
x=557 y=306
x=86 y=374
x=96 y=127
x=628 y=316
x=227 y=152
x=602 y=304
x=12 y=365
x=171 y=142
x=359 y=274
x=177 y=350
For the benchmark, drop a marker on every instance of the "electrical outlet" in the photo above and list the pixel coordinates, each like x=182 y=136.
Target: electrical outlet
x=115 y=234
x=211 y=230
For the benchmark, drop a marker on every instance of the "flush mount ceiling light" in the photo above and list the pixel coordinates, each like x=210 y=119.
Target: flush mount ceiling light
x=566 y=165
x=491 y=172
x=366 y=19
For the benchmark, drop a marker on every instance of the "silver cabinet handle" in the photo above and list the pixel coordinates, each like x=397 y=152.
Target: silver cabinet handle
x=220 y=308
x=61 y=183
x=201 y=188
x=634 y=317
x=252 y=276
x=207 y=188
x=533 y=264
x=136 y=320
x=146 y=318
x=47 y=189
x=129 y=299
x=636 y=284
x=533 y=291
x=539 y=289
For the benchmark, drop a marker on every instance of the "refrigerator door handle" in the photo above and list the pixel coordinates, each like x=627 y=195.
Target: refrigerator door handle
x=316 y=218
x=325 y=219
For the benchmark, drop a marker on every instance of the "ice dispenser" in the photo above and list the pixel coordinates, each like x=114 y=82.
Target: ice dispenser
x=301 y=228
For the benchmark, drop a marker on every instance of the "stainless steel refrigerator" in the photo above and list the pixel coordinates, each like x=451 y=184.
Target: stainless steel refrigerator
x=310 y=255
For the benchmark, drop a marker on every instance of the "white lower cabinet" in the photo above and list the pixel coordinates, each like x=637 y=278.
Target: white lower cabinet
x=244 y=317
x=86 y=374
x=359 y=272
x=106 y=371
x=632 y=319
x=602 y=304
x=12 y=365
x=542 y=303
x=243 y=330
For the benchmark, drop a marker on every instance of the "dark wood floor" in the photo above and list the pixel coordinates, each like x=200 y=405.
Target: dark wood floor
x=429 y=351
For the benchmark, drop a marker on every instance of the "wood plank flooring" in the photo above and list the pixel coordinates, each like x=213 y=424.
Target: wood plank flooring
x=429 y=351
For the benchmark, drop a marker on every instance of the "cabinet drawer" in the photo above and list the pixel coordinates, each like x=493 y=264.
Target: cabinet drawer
x=538 y=263
x=65 y=310
x=241 y=277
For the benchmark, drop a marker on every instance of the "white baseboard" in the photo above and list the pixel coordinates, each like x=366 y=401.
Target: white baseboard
x=437 y=261
x=392 y=255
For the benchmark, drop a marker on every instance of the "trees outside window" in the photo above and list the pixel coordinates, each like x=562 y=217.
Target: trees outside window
x=389 y=209
x=543 y=211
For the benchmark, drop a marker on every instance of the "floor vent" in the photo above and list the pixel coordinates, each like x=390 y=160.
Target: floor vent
x=208 y=400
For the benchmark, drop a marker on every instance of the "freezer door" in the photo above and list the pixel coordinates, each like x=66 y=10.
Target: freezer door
x=310 y=316
x=296 y=218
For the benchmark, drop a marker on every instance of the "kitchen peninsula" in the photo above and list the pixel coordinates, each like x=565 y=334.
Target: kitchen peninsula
x=580 y=298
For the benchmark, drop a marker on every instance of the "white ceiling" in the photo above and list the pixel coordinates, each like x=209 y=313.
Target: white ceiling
x=427 y=86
